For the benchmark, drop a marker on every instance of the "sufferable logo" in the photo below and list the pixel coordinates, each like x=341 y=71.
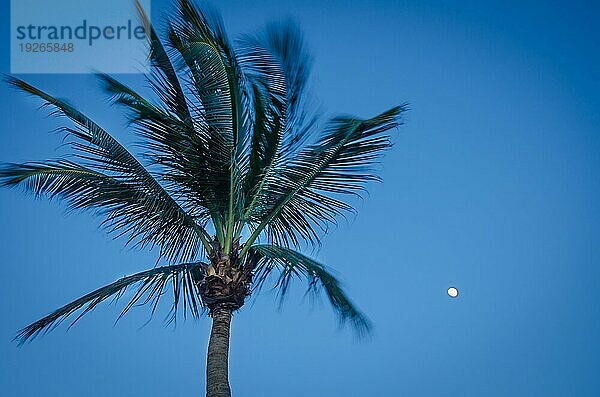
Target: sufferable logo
x=84 y=31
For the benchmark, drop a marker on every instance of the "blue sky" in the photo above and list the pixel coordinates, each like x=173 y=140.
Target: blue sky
x=492 y=186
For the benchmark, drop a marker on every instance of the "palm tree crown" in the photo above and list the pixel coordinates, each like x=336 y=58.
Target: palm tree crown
x=239 y=175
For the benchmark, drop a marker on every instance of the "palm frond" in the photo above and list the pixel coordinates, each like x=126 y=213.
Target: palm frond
x=286 y=44
x=278 y=59
x=104 y=154
x=264 y=148
x=176 y=139
x=278 y=66
x=126 y=207
x=164 y=79
x=202 y=52
x=304 y=196
x=219 y=86
x=151 y=286
x=171 y=144
x=179 y=143
x=292 y=264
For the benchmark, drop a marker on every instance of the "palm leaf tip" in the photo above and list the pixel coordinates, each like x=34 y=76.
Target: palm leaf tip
x=11 y=174
x=29 y=89
x=292 y=264
x=346 y=310
x=151 y=286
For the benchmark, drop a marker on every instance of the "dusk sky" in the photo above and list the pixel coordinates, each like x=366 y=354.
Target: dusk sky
x=492 y=186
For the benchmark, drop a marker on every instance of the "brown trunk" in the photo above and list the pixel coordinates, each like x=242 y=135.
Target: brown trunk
x=217 y=363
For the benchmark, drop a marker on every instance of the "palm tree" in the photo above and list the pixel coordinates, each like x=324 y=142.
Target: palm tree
x=239 y=176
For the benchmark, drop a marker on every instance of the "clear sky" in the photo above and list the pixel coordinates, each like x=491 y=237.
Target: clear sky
x=492 y=187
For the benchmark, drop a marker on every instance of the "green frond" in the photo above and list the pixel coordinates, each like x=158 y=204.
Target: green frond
x=203 y=59
x=51 y=177
x=126 y=207
x=278 y=59
x=285 y=42
x=171 y=144
x=203 y=53
x=302 y=197
x=151 y=286
x=164 y=79
x=277 y=65
x=219 y=87
x=175 y=138
x=264 y=146
x=292 y=264
x=104 y=154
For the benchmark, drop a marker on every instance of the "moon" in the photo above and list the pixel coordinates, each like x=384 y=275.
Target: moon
x=452 y=292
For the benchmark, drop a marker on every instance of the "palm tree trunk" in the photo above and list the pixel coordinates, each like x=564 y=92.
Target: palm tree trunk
x=217 y=377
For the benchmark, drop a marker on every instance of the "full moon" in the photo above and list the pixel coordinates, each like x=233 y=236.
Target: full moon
x=452 y=292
